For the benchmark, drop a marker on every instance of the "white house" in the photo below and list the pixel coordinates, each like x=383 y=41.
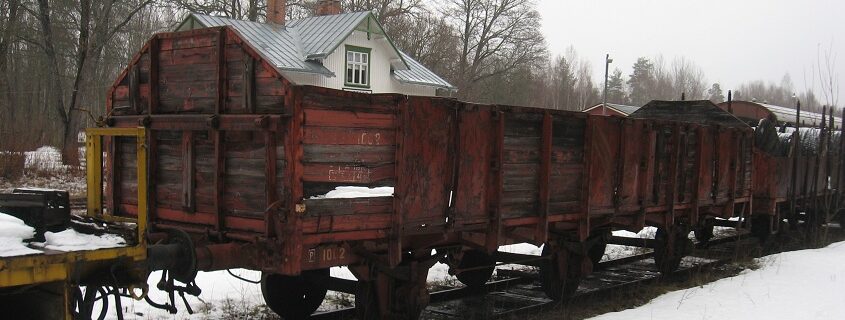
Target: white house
x=344 y=51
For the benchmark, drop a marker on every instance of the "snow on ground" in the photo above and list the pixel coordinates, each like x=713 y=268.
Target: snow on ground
x=74 y=184
x=221 y=294
x=615 y=251
x=806 y=284
x=43 y=168
x=44 y=158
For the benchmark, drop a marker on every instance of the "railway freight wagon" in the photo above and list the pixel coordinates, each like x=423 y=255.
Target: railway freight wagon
x=240 y=159
x=798 y=174
x=241 y=163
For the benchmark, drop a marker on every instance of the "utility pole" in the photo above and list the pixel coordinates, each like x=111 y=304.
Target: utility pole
x=607 y=61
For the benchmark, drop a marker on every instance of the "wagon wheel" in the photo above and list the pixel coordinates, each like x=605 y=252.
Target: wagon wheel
x=813 y=226
x=83 y=303
x=405 y=299
x=560 y=284
x=293 y=297
x=704 y=232
x=366 y=301
x=596 y=252
x=670 y=249
x=762 y=229
x=480 y=267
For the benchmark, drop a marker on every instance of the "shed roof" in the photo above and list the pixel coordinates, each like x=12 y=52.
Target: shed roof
x=299 y=45
x=696 y=111
x=621 y=108
x=781 y=114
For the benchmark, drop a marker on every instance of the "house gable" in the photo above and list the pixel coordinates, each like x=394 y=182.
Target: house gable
x=382 y=77
x=312 y=51
x=323 y=35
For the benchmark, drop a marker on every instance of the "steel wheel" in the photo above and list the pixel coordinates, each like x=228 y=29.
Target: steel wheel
x=703 y=232
x=666 y=261
x=482 y=266
x=761 y=228
x=555 y=286
x=366 y=301
x=596 y=252
x=293 y=297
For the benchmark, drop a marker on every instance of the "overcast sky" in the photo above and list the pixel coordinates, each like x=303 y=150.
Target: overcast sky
x=732 y=41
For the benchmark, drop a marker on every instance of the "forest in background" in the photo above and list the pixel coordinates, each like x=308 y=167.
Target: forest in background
x=59 y=57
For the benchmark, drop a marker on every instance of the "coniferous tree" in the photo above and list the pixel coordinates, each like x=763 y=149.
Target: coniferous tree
x=715 y=93
x=641 y=81
x=616 y=88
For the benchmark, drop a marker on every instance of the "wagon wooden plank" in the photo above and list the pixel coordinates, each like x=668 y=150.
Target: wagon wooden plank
x=351 y=154
x=349 y=136
x=347 y=173
x=331 y=118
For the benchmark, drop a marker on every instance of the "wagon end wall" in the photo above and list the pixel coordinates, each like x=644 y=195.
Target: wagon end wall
x=216 y=113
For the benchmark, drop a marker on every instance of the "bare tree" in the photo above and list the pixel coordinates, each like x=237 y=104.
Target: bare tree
x=97 y=23
x=688 y=79
x=413 y=35
x=586 y=93
x=496 y=37
x=828 y=78
x=561 y=83
x=237 y=9
x=9 y=19
x=386 y=10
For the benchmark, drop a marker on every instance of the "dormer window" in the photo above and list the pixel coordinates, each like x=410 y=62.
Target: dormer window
x=357 y=67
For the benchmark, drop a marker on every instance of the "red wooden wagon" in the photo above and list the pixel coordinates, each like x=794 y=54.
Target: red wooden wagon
x=239 y=159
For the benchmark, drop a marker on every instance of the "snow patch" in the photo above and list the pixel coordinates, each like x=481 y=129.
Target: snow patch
x=70 y=240
x=13 y=232
x=356 y=192
x=44 y=158
x=522 y=248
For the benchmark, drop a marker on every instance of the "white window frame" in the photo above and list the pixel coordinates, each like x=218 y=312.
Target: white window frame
x=357 y=73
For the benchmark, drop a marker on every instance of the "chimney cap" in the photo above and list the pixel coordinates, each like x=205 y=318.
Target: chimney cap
x=329 y=7
x=276 y=11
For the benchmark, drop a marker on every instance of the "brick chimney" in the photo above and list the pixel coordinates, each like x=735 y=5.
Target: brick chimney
x=276 y=11
x=328 y=7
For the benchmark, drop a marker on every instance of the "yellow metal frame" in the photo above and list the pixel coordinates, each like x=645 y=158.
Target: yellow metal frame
x=53 y=267
x=94 y=154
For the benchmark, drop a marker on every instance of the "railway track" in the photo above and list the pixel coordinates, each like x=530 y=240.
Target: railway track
x=78 y=203
x=515 y=292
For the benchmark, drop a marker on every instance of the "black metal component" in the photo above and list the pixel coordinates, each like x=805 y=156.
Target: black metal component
x=293 y=297
x=177 y=255
x=43 y=209
x=633 y=242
